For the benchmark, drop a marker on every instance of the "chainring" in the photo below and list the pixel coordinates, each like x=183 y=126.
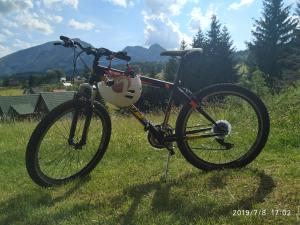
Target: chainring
x=154 y=142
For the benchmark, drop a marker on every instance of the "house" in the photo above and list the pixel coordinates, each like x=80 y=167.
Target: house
x=33 y=90
x=63 y=79
x=49 y=100
x=26 y=106
x=7 y=101
x=67 y=84
x=13 y=82
x=21 y=111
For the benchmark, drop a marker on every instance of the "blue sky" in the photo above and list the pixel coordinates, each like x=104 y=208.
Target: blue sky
x=115 y=24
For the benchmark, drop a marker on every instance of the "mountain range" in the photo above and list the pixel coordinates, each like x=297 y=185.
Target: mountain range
x=48 y=56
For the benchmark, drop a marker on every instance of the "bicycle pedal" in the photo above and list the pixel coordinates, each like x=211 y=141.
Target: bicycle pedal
x=171 y=150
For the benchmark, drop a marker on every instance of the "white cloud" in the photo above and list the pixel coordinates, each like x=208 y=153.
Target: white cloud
x=4 y=50
x=7 y=6
x=55 y=18
x=18 y=44
x=122 y=3
x=168 y=7
x=59 y=3
x=10 y=24
x=200 y=20
x=162 y=30
x=2 y=38
x=238 y=5
x=80 y=25
x=6 y=32
x=32 y=22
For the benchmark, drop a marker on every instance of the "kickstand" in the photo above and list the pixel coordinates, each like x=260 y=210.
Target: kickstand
x=170 y=153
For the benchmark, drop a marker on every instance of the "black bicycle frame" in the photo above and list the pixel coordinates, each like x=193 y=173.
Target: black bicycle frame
x=176 y=92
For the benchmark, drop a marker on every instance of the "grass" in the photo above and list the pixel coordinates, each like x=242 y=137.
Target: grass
x=11 y=91
x=126 y=186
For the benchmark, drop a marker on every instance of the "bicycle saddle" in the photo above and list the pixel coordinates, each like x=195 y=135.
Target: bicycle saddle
x=180 y=52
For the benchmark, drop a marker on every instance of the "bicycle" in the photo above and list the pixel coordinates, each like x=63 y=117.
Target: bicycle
x=221 y=126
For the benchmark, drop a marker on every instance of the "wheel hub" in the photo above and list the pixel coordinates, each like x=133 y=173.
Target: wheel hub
x=222 y=127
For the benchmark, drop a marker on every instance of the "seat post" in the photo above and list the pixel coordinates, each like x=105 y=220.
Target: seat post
x=171 y=98
x=178 y=72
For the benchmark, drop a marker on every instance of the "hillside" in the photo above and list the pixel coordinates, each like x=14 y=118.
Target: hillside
x=47 y=56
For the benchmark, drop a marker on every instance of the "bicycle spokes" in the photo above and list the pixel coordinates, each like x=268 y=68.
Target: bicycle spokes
x=233 y=133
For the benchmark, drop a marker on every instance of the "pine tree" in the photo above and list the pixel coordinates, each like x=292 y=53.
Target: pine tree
x=273 y=32
x=226 y=56
x=214 y=35
x=216 y=64
x=183 y=45
x=199 y=40
x=219 y=53
x=171 y=69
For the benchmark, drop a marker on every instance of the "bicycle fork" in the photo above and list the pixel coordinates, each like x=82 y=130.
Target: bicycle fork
x=83 y=104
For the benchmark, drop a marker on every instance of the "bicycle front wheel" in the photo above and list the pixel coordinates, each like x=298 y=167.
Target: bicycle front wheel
x=236 y=135
x=51 y=159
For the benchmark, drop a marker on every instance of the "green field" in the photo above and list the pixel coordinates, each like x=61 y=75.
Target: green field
x=11 y=91
x=126 y=186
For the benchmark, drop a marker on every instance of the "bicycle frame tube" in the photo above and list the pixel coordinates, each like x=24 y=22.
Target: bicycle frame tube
x=176 y=91
x=156 y=84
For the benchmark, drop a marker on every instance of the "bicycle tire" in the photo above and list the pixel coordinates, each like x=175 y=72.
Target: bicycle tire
x=32 y=158
x=252 y=153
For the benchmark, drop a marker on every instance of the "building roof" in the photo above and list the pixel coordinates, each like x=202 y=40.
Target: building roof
x=53 y=99
x=7 y=101
x=26 y=104
x=36 y=90
x=23 y=109
x=33 y=90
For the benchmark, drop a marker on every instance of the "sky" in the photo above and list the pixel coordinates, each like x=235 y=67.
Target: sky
x=115 y=24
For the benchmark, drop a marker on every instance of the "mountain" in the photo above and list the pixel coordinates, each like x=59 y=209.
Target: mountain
x=241 y=56
x=141 y=54
x=47 y=56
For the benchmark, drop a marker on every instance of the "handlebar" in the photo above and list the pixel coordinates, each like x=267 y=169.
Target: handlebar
x=97 y=52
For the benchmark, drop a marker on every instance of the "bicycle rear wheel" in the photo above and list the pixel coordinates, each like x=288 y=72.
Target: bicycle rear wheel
x=50 y=157
x=240 y=133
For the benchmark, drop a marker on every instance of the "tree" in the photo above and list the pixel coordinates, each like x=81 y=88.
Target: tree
x=199 y=40
x=220 y=53
x=31 y=81
x=215 y=64
x=271 y=36
x=171 y=69
x=183 y=45
x=227 y=64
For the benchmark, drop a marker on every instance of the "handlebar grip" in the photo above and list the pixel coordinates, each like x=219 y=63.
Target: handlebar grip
x=123 y=56
x=64 y=38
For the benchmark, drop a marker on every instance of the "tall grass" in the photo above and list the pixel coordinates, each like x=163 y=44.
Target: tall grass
x=126 y=187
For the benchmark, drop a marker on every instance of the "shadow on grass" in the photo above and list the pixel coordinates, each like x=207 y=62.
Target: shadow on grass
x=182 y=208
x=28 y=207
x=179 y=198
